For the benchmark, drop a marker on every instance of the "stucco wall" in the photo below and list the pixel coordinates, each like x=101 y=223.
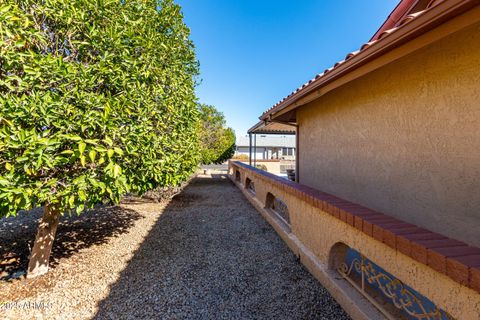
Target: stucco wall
x=272 y=166
x=405 y=139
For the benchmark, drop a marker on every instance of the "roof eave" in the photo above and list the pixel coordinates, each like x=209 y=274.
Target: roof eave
x=423 y=23
x=262 y=127
x=398 y=13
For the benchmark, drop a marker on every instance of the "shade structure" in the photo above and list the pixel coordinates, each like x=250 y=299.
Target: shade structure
x=263 y=127
x=267 y=127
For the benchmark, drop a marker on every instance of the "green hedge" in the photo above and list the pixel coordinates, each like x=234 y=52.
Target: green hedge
x=217 y=141
x=96 y=99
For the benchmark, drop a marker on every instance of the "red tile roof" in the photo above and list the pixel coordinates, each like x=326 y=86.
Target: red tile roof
x=400 y=17
x=400 y=11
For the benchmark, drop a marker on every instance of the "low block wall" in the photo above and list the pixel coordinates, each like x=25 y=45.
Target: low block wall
x=271 y=165
x=444 y=270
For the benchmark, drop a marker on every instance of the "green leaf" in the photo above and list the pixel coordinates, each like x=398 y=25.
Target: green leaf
x=81 y=147
x=108 y=141
x=80 y=208
x=116 y=170
x=118 y=151
x=90 y=141
x=92 y=154
x=5 y=9
x=20 y=43
x=71 y=201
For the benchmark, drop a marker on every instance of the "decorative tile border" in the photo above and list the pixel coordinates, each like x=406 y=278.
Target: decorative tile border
x=371 y=280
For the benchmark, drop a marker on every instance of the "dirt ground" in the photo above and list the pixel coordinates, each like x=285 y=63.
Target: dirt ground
x=205 y=254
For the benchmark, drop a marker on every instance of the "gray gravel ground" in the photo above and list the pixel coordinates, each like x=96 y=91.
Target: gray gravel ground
x=214 y=257
x=207 y=254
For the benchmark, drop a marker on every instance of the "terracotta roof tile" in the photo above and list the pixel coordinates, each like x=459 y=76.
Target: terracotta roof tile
x=434 y=3
x=351 y=55
x=384 y=33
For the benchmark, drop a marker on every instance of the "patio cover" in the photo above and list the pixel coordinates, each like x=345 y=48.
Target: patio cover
x=263 y=127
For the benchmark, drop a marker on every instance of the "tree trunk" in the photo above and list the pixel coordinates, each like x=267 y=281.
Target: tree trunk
x=40 y=255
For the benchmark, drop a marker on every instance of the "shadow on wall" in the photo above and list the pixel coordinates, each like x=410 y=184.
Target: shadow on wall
x=250 y=186
x=278 y=206
x=75 y=233
x=337 y=255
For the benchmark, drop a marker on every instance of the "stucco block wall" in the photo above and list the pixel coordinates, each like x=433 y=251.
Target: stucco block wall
x=272 y=166
x=404 y=139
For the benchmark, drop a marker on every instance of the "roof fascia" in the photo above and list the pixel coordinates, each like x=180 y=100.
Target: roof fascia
x=393 y=43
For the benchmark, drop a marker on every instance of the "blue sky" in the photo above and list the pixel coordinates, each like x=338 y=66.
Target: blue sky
x=253 y=53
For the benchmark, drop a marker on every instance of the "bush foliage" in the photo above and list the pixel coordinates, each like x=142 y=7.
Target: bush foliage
x=96 y=99
x=217 y=142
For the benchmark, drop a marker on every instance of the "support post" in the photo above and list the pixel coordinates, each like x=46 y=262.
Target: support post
x=297 y=153
x=250 y=149
x=254 y=149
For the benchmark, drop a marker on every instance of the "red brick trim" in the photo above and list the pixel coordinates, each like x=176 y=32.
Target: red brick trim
x=259 y=160
x=454 y=258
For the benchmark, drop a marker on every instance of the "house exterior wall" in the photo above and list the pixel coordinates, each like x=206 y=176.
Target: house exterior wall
x=266 y=153
x=404 y=139
x=242 y=150
x=260 y=152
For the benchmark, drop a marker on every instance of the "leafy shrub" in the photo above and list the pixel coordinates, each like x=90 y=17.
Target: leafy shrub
x=241 y=157
x=217 y=142
x=96 y=99
x=261 y=167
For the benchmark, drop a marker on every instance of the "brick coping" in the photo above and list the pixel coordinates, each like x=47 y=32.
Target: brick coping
x=451 y=257
x=260 y=160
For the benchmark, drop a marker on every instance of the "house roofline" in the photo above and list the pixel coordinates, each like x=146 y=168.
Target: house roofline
x=411 y=27
x=402 y=9
x=264 y=127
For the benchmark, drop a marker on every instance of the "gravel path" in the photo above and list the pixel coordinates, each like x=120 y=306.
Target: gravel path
x=207 y=254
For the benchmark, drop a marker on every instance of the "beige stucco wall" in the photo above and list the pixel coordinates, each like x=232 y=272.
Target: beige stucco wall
x=404 y=139
x=272 y=166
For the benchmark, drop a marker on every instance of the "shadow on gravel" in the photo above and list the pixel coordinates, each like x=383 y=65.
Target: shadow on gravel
x=74 y=233
x=210 y=255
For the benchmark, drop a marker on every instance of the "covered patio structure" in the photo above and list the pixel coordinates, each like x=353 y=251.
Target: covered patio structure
x=268 y=127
